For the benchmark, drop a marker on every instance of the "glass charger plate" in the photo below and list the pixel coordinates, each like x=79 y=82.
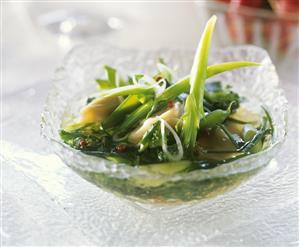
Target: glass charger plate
x=44 y=202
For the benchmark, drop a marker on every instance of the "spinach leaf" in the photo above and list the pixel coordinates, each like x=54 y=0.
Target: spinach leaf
x=221 y=97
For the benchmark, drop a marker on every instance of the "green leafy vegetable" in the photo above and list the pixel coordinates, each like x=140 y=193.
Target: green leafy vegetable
x=112 y=80
x=84 y=137
x=221 y=97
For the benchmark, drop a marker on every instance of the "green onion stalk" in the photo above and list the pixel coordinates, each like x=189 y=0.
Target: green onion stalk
x=183 y=85
x=194 y=109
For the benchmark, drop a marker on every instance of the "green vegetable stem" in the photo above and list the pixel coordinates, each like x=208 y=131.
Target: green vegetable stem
x=133 y=118
x=183 y=85
x=194 y=109
x=128 y=105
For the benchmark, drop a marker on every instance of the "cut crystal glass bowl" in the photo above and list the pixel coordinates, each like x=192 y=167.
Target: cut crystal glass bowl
x=75 y=80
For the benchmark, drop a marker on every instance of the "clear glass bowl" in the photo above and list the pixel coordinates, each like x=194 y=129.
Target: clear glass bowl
x=75 y=80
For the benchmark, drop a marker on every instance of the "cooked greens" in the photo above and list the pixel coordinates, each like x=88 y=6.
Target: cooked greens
x=144 y=119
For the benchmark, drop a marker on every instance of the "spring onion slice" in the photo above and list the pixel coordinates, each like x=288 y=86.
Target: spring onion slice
x=118 y=138
x=169 y=155
x=160 y=87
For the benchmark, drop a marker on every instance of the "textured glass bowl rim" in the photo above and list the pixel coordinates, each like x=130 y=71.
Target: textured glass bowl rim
x=124 y=171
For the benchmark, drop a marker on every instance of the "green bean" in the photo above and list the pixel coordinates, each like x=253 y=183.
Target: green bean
x=215 y=117
x=136 y=116
x=128 y=105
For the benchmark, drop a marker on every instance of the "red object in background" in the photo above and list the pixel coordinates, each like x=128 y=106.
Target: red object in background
x=247 y=27
x=225 y=1
x=248 y=3
x=283 y=8
x=233 y=17
x=286 y=7
x=288 y=10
